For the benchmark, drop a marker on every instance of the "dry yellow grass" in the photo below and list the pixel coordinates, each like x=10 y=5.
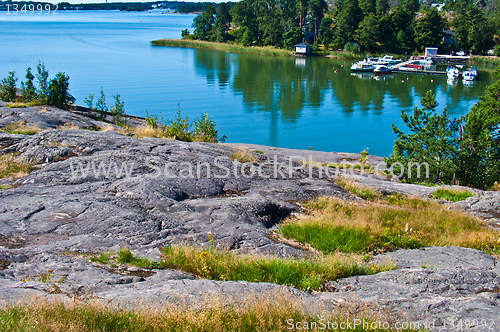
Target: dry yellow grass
x=120 y=130
x=495 y=187
x=11 y=168
x=67 y=126
x=400 y=221
x=272 y=312
x=243 y=155
x=148 y=131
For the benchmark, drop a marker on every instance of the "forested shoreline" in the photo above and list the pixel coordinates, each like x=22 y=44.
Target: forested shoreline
x=405 y=26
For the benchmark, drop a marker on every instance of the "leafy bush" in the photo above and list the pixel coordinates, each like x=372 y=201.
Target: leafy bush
x=58 y=94
x=180 y=128
x=152 y=120
x=204 y=130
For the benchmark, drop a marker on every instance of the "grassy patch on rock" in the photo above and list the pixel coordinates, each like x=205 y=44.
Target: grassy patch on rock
x=124 y=256
x=11 y=168
x=20 y=128
x=452 y=195
x=305 y=274
x=395 y=221
x=363 y=192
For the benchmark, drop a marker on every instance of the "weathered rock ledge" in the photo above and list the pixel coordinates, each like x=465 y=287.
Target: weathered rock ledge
x=65 y=207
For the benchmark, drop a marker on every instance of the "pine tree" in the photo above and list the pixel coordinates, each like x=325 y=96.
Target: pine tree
x=433 y=140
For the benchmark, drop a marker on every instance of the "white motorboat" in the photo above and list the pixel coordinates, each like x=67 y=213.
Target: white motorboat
x=382 y=69
x=425 y=62
x=363 y=66
x=388 y=60
x=452 y=73
x=469 y=75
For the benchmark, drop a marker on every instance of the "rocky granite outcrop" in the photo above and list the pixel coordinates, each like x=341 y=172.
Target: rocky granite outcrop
x=94 y=191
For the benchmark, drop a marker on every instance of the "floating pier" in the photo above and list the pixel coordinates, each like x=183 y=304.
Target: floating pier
x=401 y=68
x=439 y=59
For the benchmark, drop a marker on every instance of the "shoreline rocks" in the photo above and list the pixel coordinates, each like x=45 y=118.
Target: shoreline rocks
x=95 y=191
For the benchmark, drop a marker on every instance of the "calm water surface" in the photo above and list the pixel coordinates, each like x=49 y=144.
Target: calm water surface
x=277 y=101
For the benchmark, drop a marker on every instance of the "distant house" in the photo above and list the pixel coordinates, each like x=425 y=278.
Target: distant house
x=448 y=37
x=302 y=48
x=439 y=6
x=431 y=51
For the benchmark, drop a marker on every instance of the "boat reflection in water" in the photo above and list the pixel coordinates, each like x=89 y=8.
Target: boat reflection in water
x=468 y=83
x=365 y=76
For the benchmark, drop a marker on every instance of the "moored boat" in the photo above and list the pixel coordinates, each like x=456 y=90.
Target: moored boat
x=452 y=73
x=388 y=59
x=382 y=69
x=469 y=75
x=363 y=66
x=412 y=66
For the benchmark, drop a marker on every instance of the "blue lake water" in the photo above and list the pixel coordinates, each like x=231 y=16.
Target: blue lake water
x=278 y=101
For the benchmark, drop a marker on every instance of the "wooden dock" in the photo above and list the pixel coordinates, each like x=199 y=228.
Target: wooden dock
x=401 y=68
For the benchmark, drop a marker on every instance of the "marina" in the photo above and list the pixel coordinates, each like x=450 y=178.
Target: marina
x=417 y=66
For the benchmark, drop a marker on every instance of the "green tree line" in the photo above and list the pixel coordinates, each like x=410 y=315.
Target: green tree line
x=360 y=25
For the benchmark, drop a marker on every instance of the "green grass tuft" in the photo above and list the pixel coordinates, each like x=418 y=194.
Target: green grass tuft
x=124 y=256
x=304 y=274
x=454 y=195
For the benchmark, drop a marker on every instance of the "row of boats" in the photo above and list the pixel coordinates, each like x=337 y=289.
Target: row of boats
x=454 y=73
x=376 y=65
x=385 y=65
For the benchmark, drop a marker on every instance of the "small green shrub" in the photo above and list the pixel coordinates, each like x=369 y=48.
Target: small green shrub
x=103 y=258
x=152 y=120
x=8 y=87
x=118 y=110
x=89 y=101
x=204 y=130
x=58 y=94
x=180 y=128
x=28 y=89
